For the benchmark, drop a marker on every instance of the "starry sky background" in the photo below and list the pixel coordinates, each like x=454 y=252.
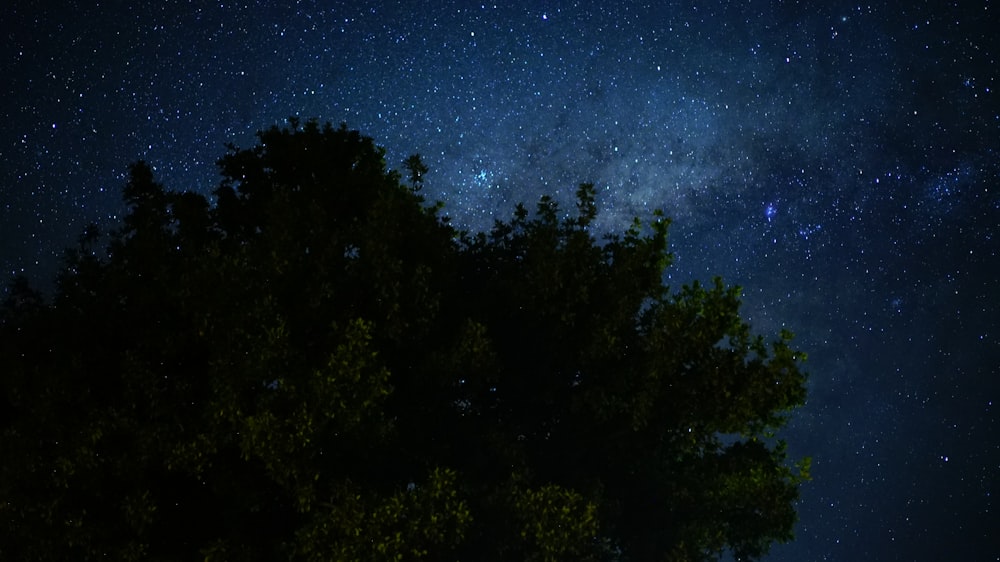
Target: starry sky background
x=839 y=161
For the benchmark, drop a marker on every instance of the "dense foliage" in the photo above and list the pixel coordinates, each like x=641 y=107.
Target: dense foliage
x=318 y=367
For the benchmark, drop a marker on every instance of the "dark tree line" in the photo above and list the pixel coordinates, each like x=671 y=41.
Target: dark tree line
x=319 y=367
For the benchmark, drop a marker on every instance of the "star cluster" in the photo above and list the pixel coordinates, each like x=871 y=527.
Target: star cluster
x=840 y=162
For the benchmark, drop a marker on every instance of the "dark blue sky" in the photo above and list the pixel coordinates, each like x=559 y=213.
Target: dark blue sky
x=839 y=161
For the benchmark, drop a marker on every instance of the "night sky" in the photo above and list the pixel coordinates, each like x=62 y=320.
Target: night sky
x=840 y=162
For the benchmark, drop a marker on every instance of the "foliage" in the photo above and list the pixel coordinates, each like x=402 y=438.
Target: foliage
x=317 y=366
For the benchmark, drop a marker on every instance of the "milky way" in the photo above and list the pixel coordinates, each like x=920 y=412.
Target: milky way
x=840 y=162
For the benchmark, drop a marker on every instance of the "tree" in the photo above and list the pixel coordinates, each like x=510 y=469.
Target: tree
x=319 y=367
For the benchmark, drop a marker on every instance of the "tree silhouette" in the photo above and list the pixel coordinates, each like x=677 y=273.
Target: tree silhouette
x=319 y=367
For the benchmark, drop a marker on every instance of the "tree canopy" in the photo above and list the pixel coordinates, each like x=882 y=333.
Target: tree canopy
x=318 y=366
